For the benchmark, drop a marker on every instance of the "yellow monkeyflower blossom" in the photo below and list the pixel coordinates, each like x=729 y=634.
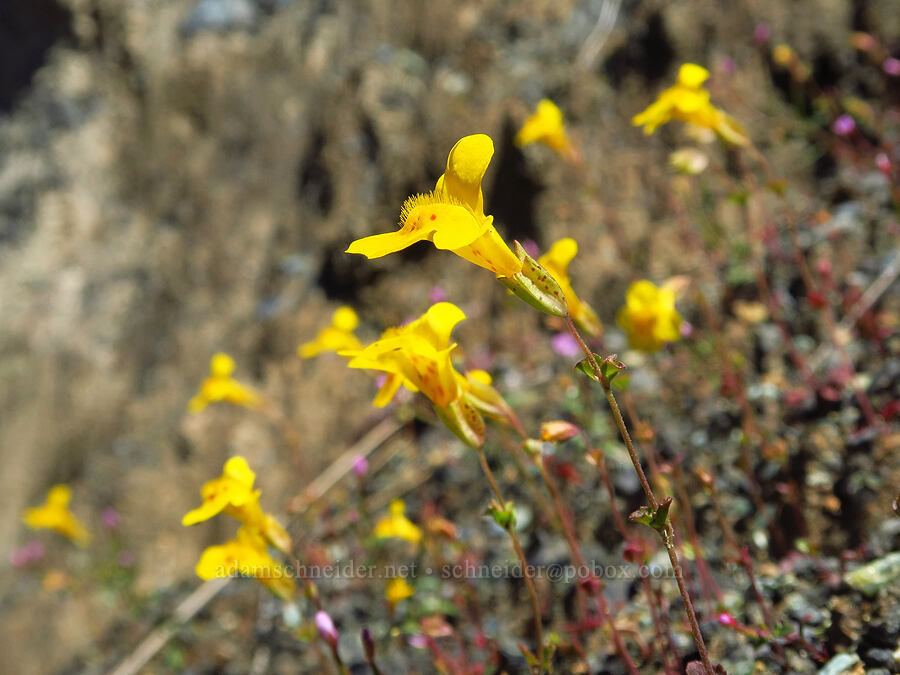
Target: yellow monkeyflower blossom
x=397 y=589
x=689 y=102
x=546 y=126
x=649 y=317
x=232 y=493
x=556 y=261
x=334 y=337
x=396 y=525
x=54 y=514
x=221 y=386
x=417 y=356
x=247 y=556
x=452 y=215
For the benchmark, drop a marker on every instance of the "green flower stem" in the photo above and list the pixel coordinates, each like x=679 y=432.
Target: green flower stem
x=667 y=533
x=526 y=570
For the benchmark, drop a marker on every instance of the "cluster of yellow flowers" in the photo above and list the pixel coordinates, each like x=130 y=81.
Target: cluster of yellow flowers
x=247 y=554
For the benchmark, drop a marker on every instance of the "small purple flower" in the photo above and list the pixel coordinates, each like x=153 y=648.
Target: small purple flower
x=727 y=66
x=565 y=345
x=883 y=162
x=326 y=628
x=891 y=66
x=762 y=33
x=531 y=248
x=437 y=294
x=360 y=466
x=726 y=619
x=418 y=642
x=111 y=518
x=843 y=125
x=685 y=329
x=32 y=551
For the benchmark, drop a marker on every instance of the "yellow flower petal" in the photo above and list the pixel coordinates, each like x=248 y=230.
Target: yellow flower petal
x=386 y=393
x=466 y=165
x=398 y=589
x=424 y=217
x=692 y=76
x=221 y=365
x=345 y=319
x=491 y=252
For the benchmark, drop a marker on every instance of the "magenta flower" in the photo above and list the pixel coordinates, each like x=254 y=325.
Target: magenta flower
x=565 y=345
x=326 y=628
x=360 y=466
x=891 y=66
x=111 y=518
x=762 y=33
x=843 y=125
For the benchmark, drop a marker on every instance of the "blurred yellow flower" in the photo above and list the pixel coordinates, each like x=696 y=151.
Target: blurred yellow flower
x=556 y=261
x=247 y=556
x=649 y=317
x=54 y=514
x=232 y=493
x=221 y=386
x=452 y=215
x=546 y=126
x=689 y=102
x=396 y=525
x=397 y=589
x=334 y=337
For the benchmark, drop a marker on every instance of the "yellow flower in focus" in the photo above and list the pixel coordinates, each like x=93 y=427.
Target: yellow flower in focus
x=397 y=589
x=649 y=317
x=232 y=493
x=396 y=525
x=452 y=215
x=546 y=126
x=247 y=556
x=556 y=261
x=221 y=386
x=689 y=102
x=335 y=337
x=54 y=514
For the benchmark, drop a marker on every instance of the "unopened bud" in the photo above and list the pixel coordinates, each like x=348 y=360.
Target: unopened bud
x=557 y=431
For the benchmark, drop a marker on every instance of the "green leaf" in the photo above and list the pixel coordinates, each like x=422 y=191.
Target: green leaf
x=657 y=519
x=504 y=516
x=609 y=366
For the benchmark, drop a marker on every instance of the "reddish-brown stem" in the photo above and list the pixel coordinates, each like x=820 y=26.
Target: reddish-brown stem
x=705 y=574
x=665 y=639
x=667 y=532
x=596 y=585
x=743 y=556
x=527 y=573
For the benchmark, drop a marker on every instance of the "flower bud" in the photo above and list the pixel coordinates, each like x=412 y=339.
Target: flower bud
x=326 y=628
x=557 y=431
